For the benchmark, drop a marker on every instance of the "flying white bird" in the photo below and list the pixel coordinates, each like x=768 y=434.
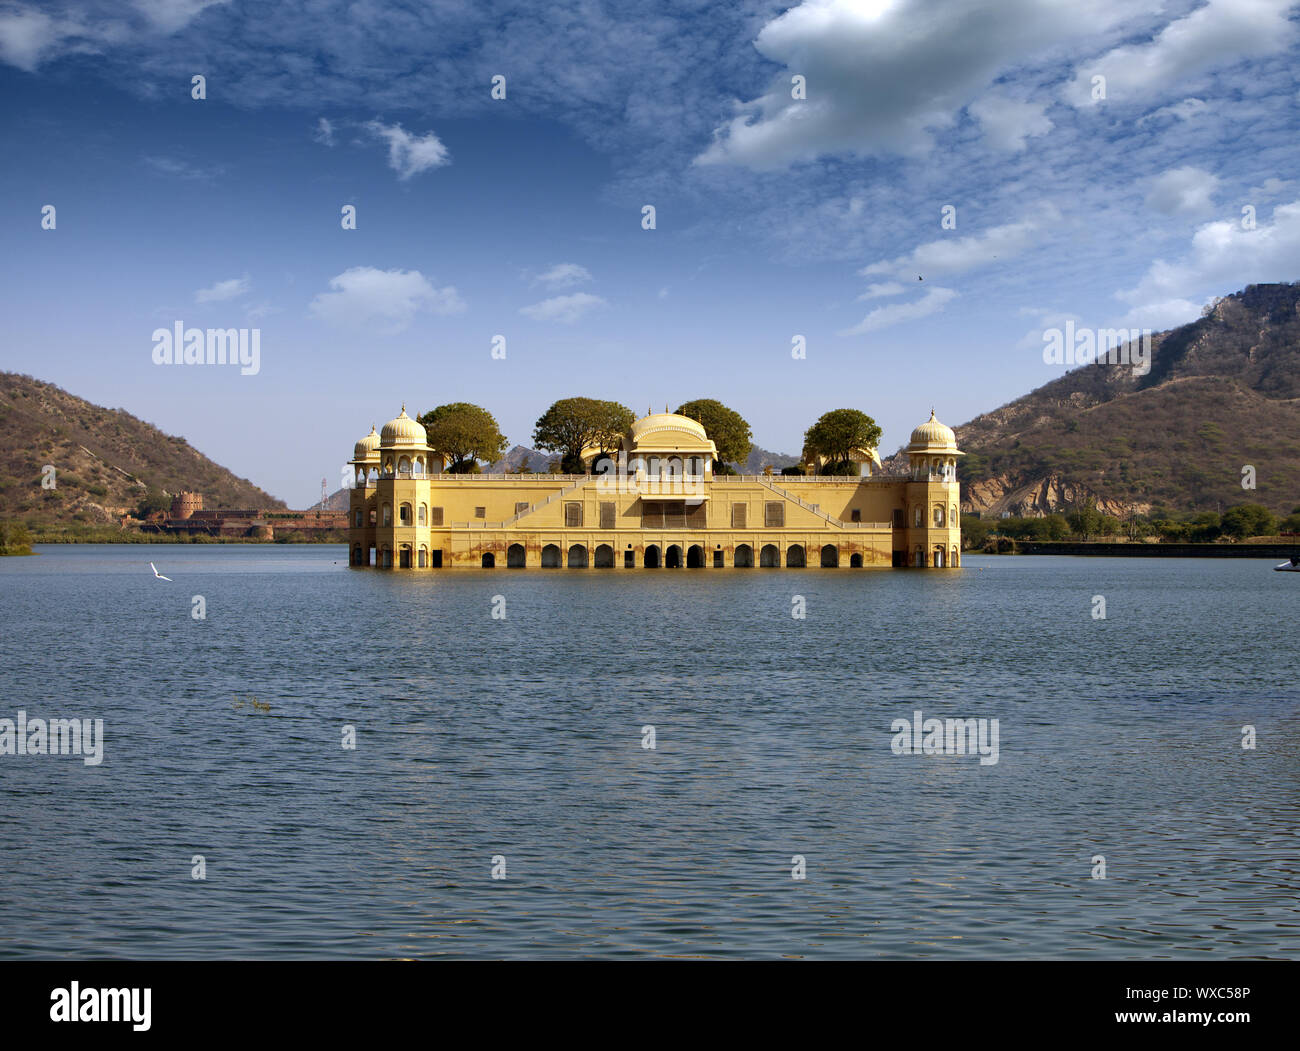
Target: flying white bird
x=156 y=573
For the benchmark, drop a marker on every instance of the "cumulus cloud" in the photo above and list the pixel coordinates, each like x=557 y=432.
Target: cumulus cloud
x=409 y=154
x=1218 y=34
x=364 y=294
x=324 y=133
x=1008 y=122
x=563 y=275
x=934 y=300
x=1182 y=191
x=955 y=255
x=235 y=287
x=564 y=309
x=1223 y=257
x=882 y=75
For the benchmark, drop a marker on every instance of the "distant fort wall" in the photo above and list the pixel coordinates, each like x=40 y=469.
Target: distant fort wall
x=188 y=515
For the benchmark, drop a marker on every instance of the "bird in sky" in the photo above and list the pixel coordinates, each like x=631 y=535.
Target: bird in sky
x=156 y=573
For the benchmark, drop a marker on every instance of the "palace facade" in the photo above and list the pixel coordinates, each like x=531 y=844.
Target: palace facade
x=655 y=502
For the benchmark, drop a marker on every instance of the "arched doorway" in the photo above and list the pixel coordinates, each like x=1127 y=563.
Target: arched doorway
x=578 y=557
x=489 y=560
x=955 y=561
x=794 y=556
x=830 y=556
x=744 y=557
x=938 y=558
x=673 y=557
x=356 y=555
x=695 y=557
x=604 y=557
x=550 y=557
x=855 y=561
x=769 y=557
x=652 y=557
x=515 y=558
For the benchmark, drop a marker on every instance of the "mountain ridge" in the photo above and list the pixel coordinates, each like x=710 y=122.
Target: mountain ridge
x=106 y=460
x=1222 y=394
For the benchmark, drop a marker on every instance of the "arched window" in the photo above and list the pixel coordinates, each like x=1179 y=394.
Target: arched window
x=404 y=514
x=357 y=518
x=386 y=516
x=938 y=514
x=916 y=516
x=372 y=516
x=404 y=465
x=424 y=514
x=952 y=516
x=418 y=469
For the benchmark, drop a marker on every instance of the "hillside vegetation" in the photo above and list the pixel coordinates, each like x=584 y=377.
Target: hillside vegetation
x=1223 y=393
x=107 y=462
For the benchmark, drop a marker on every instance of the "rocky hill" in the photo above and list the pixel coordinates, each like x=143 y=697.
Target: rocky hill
x=1223 y=392
x=105 y=460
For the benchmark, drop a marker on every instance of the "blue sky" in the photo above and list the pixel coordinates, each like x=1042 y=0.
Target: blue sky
x=775 y=216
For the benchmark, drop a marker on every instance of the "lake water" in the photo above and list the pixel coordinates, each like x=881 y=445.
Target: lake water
x=522 y=738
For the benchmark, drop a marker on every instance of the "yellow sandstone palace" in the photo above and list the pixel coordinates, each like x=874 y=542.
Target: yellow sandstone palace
x=655 y=503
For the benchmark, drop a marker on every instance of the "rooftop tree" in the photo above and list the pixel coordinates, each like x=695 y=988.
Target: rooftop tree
x=726 y=428
x=465 y=434
x=574 y=424
x=839 y=432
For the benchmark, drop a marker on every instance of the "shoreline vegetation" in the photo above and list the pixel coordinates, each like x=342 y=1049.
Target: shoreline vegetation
x=1241 y=531
x=112 y=535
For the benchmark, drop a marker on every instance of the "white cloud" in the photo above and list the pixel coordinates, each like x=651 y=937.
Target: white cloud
x=562 y=275
x=409 y=154
x=236 y=286
x=1218 y=34
x=882 y=75
x=565 y=309
x=171 y=15
x=1223 y=257
x=955 y=255
x=1185 y=110
x=883 y=288
x=1008 y=122
x=28 y=36
x=324 y=133
x=182 y=169
x=1045 y=318
x=363 y=294
x=934 y=300
x=1161 y=316
x=1270 y=187
x=1183 y=191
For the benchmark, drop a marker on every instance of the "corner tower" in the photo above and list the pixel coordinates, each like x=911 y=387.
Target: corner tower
x=933 y=497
